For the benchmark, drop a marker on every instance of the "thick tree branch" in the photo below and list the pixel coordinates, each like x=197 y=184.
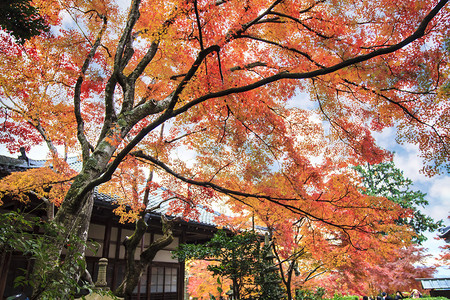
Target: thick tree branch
x=167 y=238
x=147 y=108
x=254 y=21
x=133 y=16
x=420 y=32
x=233 y=193
x=85 y=145
x=143 y=63
x=195 y=65
x=169 y=104
x=249 y=66
x=110 y=112
x=135 y=268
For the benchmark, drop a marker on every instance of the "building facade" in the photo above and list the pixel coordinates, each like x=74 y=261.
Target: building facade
x=163 y=279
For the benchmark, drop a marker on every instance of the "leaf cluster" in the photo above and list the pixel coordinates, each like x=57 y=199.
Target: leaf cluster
x=305 y=294
x=237 y=253
x=44 y=183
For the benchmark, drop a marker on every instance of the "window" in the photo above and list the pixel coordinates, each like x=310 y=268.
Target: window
x=164 y=280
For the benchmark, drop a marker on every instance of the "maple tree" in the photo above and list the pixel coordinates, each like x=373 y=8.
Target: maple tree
x=220 y=75
x=202 y=284
x=397 y=272
x=308 y=251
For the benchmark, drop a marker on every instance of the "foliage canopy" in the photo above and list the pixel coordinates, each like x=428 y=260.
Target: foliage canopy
x=220 y=77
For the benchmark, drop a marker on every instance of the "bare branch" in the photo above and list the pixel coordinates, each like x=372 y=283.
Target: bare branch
x=304 y=54
x=200 y=36
x=302 y=23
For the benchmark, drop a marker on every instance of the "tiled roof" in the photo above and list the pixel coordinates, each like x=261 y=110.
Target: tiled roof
x=205 y=217
x=435 y=283
x=445 y=233
x=10 y=165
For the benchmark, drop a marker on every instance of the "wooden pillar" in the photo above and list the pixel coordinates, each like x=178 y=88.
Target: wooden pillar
x=149 y=270
x=116 y=257
x=182 y=270
x=107 y=239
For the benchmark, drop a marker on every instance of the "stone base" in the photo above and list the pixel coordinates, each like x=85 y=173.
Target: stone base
x=95 y=296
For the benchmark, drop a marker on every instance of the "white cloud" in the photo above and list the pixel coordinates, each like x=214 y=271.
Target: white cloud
x=409 y=161
x=437 y=188
x=406 y=156
x=302 y=100
x=439 y=198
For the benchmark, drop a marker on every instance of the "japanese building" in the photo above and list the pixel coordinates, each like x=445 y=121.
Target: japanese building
x=164 y=278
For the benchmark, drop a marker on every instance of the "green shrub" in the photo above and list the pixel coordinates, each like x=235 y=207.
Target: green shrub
x=18 y=233
x=309 y=294
x=342 y=297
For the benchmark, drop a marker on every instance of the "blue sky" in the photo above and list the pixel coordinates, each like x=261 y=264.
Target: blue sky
x=437 y=188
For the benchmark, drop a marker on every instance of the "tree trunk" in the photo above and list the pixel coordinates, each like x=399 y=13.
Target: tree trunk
x=72 y=219
x=134 y=269
x=236 y=288
x=72 y=230
x=288 y=281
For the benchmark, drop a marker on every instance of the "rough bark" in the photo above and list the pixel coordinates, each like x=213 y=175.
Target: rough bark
x=44 y=276
x=288 y=280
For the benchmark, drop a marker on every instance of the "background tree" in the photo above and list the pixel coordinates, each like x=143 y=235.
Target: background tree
x=243 y=258
x=364 y=277
x=22 y=19
x=362 y=267
x=220 y=75
x=306 y=249
x=18 y=233
x=385 y=180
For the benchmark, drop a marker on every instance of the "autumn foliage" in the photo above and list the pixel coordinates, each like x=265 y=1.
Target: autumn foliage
x=202 y=284
x=267 y=101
